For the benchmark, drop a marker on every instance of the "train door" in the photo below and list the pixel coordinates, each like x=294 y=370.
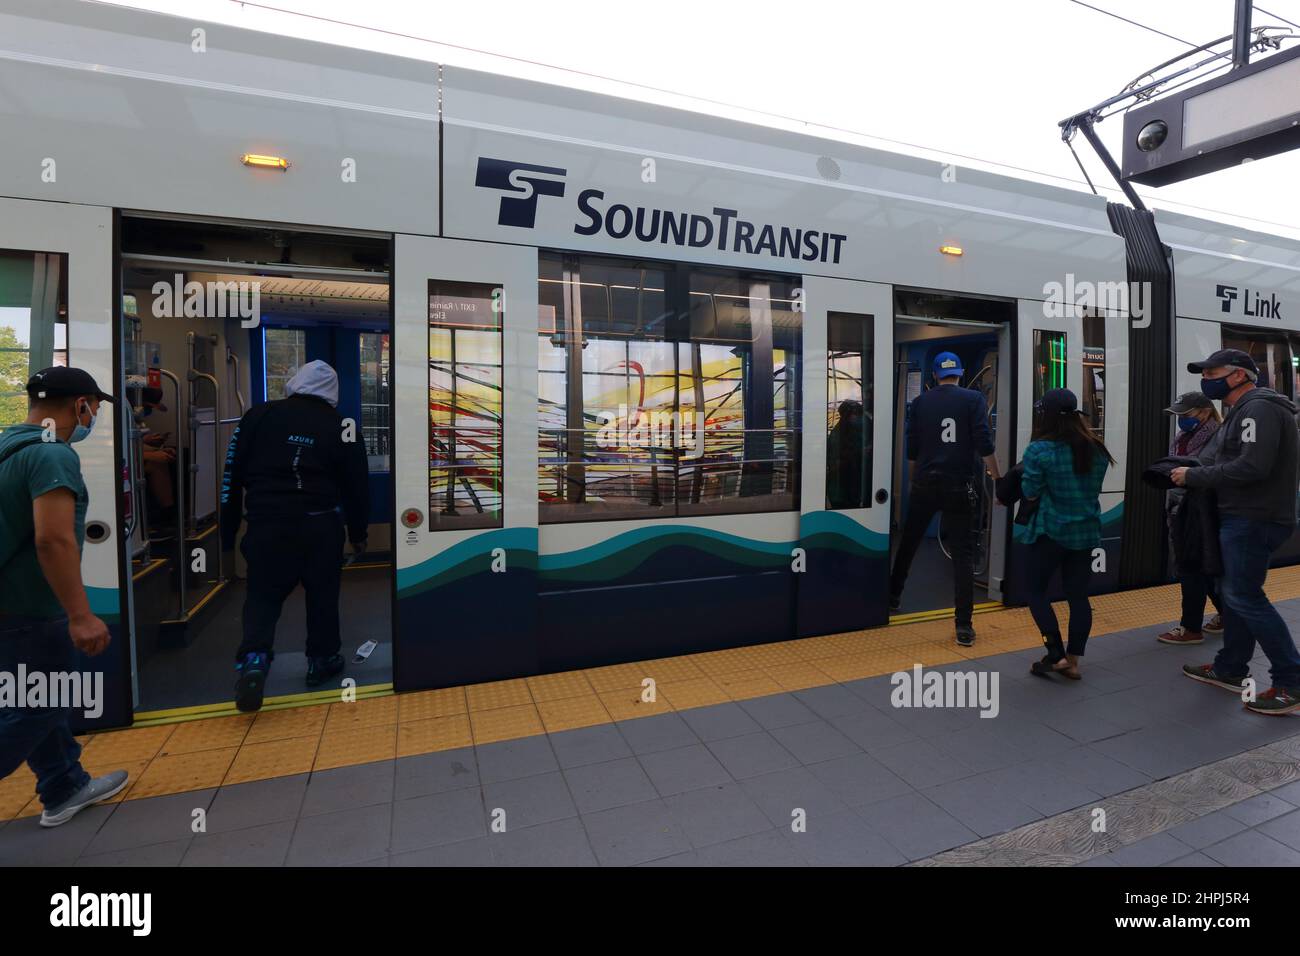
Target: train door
x=979 y=332
x=1065 y=346
x=465 y=360
x=848 y=436
x=56 y=284
x=216 y=318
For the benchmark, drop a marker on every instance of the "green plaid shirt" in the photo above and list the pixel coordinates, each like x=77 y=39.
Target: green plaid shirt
x=1069 y=510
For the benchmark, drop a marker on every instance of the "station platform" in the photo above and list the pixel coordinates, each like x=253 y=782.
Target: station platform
x=780 y=754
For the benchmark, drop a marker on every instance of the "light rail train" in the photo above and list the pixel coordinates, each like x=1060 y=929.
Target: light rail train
x=632 y=380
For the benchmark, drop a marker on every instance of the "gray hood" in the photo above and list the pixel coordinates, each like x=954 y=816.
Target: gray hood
x=316 y=379
x=1261 y=394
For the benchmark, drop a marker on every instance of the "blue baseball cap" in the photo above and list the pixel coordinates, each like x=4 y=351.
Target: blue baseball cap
x=947 y=364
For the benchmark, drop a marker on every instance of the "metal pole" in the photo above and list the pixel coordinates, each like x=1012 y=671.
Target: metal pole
x=1085 y=126
x=1241 y=34
x=180 y=498
x=217 y=454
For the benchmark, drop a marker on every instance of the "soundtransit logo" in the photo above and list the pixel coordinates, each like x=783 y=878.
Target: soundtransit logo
x=723 y=229
x=525 y=182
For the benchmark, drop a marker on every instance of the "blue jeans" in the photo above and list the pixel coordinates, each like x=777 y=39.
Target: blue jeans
x=40 y=735
x=1248 y=617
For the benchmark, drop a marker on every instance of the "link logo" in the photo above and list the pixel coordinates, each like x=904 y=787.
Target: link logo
x=1255 y=305
x=525 y=182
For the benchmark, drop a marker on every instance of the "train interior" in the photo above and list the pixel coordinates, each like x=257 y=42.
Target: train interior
x=216 y=319
x=978 y=331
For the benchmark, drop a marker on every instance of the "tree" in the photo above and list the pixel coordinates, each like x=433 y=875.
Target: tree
x=13 y=377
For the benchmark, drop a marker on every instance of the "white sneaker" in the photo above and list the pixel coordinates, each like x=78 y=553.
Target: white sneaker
x=101 y=788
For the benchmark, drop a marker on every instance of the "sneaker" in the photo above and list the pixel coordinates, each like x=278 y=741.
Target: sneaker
x=965 y=635
x=251 y=681
x=895 y=601
x=101 y=788
x=321 y=669
x=1214 y=626
x=1206 y=674
x=1276 y=700
x=1180 y=635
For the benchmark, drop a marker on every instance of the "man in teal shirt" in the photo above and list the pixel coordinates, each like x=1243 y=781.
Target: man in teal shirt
x=45 y=616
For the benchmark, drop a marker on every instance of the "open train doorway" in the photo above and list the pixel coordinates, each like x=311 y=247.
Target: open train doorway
x=979 y=332
x=216 y=319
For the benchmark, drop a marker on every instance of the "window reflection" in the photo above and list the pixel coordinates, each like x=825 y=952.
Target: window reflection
x=465 y=406
x=664 y=390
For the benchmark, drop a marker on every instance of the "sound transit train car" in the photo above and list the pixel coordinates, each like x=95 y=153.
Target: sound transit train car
x=632 y=380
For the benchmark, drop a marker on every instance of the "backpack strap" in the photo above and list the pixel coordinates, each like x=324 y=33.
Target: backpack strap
x=16 y=447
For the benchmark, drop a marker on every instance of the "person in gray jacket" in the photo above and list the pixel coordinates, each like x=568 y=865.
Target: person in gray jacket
x=1255 y=474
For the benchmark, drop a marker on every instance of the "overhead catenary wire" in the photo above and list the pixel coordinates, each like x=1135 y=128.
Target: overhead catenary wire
x=1290 y=23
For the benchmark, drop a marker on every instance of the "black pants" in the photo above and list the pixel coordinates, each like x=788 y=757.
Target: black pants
x=282 y=554
x=1045 y=556
x=1196 y=587
x=955 y=500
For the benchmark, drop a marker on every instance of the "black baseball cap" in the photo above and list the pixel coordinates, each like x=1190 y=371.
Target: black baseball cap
x=1225 y=357
x=61 y=381
x=1057 y=401
x=1188 y=401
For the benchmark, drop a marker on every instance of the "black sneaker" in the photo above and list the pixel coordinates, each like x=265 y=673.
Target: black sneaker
x=965 y=635
x=1277 y=700
x=321 y=669
x=895 y=601
x=1206 y=674
x=251 y=680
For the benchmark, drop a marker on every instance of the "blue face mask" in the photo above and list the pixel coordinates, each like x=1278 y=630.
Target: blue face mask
x=1215 y=388
x=82 y=432
x=1188 y=424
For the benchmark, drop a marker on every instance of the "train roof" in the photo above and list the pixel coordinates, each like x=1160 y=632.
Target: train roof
x=136 y=81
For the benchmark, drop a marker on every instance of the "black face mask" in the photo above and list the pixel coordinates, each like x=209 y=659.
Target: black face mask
x=1216 y=388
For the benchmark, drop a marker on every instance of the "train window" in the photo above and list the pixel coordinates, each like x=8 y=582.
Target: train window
x=1270 y=353
x=848 y=415
x=286 y=352
x=33 y=324
x=465 y=407
x=664 y=390
x=1094 y=371
x=375 y=364
x=1049 y=362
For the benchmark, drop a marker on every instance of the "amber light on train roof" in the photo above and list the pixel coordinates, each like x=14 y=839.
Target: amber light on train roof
x=951 y=250
x=267 y=162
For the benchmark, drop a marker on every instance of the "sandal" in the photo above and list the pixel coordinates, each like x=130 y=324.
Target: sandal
x=1045 y=667
x=1070 y=668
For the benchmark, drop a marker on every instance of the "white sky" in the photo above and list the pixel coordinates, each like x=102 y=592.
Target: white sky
x=982 y=78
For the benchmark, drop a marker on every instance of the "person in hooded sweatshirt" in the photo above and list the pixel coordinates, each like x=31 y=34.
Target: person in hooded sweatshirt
x=301 y=476
x=1255 y=472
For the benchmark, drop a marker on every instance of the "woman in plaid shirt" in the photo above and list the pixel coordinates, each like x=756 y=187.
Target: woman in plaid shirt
x=1063 y=469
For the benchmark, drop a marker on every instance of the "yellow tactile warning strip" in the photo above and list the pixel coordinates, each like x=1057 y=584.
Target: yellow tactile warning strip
x=202 y=751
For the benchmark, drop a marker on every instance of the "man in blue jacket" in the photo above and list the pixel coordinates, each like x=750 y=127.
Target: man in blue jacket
x=947 y=433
